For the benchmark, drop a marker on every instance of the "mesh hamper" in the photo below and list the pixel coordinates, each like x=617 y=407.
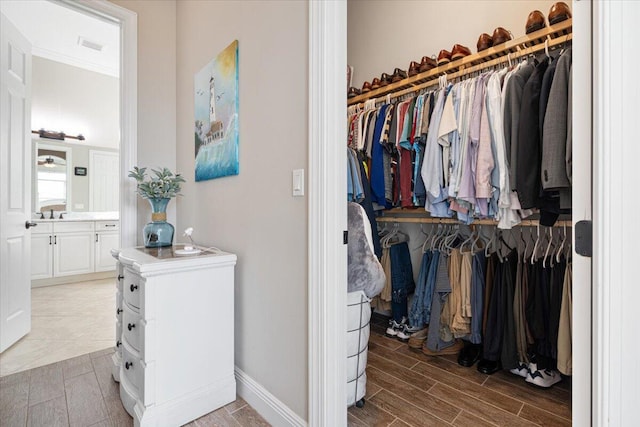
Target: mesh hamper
x=358 y=317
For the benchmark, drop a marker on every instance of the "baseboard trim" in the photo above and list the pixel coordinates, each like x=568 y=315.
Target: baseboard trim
x=266 y=404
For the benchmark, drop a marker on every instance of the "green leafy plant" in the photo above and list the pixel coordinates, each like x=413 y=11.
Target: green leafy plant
x=163 y=184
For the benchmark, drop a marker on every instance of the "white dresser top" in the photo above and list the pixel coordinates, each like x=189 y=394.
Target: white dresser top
x=158 y=260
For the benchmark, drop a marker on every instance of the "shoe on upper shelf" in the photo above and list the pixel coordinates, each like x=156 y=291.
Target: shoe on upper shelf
x=535 y=22
x=353 y=91
x=500 y=35
x=414 y=68
x=559 y=12
x=542 y=377
x=427 y=63
x=485 y=41
x=444 y=57
x=458 y=51
x=385 y=79
x=398 y=75
x=375 y=83
x=366 y=87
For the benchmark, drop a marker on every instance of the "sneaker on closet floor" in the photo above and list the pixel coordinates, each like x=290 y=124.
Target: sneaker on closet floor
x=405 y=333
x=395 y=327
x=521 y=370
x=544 y=377
x=418 y=338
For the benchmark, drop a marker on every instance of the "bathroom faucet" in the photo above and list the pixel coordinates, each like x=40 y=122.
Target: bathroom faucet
x=51 y=216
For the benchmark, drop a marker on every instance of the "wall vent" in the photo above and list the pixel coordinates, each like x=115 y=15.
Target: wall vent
x=89 y=44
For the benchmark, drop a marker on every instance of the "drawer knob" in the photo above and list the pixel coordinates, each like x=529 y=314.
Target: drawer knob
x=118 y=311
x=130 y=326
x=120 y=277
x=118 y=344
x=127 y=365
x=133 y=287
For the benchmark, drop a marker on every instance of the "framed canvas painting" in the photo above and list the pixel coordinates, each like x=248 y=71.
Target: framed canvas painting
x=216 y=116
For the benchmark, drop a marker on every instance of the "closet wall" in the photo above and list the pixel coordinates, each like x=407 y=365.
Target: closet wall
x=386 y=34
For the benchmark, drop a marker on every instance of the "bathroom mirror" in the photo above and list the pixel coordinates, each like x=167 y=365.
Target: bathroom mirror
x=52 y=178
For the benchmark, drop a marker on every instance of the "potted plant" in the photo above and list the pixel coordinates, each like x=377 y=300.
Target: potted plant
x=158 y=188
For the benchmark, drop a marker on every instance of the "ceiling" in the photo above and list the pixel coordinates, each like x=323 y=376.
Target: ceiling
x=55 y=31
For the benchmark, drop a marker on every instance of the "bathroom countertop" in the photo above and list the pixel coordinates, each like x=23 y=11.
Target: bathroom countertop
x=79 y=216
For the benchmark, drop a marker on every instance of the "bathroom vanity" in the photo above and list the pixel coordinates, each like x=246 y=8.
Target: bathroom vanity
x=174 y=355
x=72 y=247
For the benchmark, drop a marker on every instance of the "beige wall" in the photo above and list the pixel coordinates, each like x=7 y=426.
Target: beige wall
x=386 y=34
x=156 y=91
x=253 y=214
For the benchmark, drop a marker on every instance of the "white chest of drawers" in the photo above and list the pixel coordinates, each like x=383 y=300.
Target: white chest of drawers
x=174 y=354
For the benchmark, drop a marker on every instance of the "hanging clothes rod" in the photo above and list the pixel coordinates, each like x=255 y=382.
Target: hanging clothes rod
x=430 y=220
x=549 y=37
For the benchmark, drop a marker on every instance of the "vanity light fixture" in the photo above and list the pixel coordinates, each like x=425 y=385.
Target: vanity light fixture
x=60 y=136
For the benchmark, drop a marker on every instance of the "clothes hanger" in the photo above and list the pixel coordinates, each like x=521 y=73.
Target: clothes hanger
x=562 y=243
x=535 y=246
x=546 y=253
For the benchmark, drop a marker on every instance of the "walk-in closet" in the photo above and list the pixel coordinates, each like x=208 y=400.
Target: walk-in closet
x=460 y=156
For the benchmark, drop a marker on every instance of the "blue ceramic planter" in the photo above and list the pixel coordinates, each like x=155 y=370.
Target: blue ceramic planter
x=158 y=233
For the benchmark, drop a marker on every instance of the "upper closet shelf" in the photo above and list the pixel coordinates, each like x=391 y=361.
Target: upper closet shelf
x=547 y=37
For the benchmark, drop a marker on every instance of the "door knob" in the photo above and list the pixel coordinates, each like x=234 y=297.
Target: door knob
x=29 y=224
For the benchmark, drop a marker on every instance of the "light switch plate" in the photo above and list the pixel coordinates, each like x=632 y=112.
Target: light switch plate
x=298 y=182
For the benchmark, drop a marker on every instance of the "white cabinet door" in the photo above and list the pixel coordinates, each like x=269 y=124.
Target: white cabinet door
x=41 y=256
x=106 y=241
x=73 y=253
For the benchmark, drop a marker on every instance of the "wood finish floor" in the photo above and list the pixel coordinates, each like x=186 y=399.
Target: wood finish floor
x=408 y=388
x=81 y=392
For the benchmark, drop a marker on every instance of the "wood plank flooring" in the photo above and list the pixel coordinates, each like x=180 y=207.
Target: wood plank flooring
x=81 y=392
x=407 y=388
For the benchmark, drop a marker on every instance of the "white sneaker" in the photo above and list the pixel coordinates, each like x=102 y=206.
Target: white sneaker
x=521 y=370
x=405 y=333
x=544 y=377
x=395 y=327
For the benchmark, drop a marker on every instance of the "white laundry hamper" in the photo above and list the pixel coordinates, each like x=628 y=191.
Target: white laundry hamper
x=358 y=318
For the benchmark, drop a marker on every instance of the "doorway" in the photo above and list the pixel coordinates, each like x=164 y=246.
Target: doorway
x=124 y=140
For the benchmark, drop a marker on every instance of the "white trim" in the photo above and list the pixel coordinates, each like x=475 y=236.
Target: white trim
x=327 y=282
x=582 y=210
x=128 y=22
x=265 y=403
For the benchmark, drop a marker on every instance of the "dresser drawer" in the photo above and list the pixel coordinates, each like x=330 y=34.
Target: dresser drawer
x=119 y=338
x=119 y=277
x=132 y=369
x=132 y=328
x=107 y=225
x=132 y=288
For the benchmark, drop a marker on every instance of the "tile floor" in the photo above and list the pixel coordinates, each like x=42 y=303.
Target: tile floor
x=60 y=373
x=81 y=392
x=66 y=321
x=408 y=388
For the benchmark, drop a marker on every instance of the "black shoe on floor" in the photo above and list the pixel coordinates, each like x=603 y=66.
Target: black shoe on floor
x=489 y=366
x=469 y=355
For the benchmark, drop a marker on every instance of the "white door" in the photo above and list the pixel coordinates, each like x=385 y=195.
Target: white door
x=104 y=167
x=15 y=181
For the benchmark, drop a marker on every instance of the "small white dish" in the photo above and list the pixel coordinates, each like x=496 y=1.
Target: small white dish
x=192 y=251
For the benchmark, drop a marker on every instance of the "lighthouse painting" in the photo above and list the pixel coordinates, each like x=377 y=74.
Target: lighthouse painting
x=216 y=116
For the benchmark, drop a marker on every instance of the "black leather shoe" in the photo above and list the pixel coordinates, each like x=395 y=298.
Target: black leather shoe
x=469 y=354
x=489 y=366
